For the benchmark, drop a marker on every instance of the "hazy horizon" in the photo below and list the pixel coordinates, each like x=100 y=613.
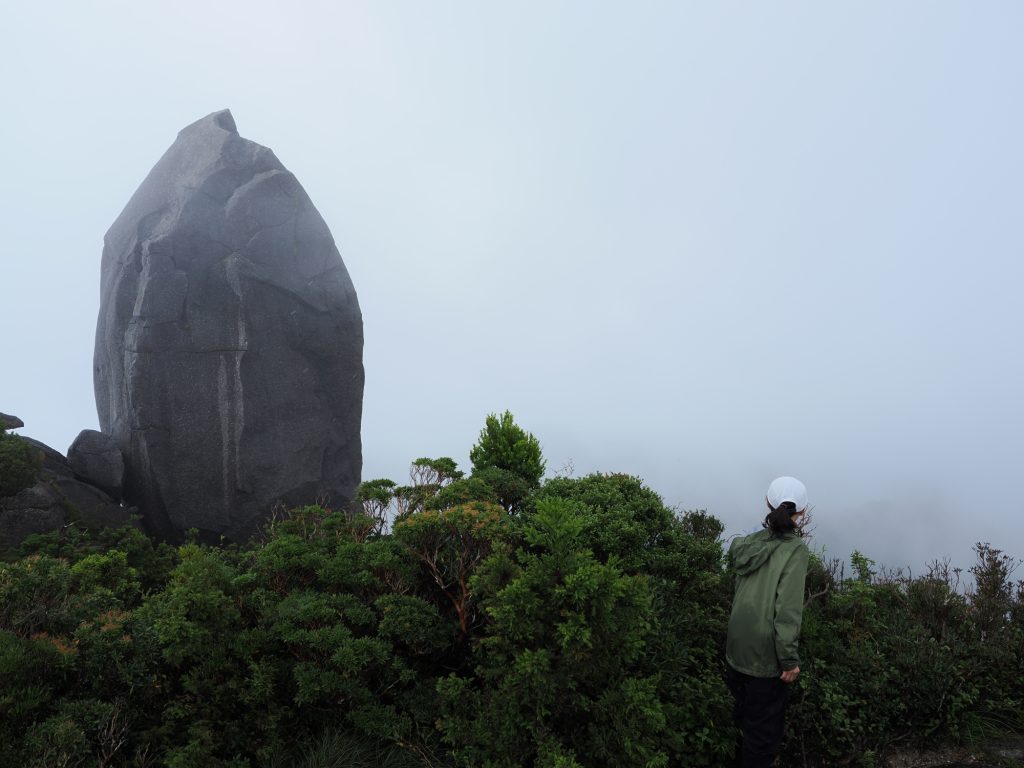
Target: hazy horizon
x=704 y=245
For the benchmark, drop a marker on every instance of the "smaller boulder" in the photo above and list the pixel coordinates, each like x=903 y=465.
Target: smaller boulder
x=95 y=458
x=10 y=422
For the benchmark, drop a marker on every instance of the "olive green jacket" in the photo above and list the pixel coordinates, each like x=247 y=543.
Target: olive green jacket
x=764 y=627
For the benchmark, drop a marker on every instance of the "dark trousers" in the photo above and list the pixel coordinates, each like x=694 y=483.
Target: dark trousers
x=760 y=715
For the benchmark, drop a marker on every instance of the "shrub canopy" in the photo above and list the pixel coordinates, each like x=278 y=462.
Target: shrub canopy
x=431 y=625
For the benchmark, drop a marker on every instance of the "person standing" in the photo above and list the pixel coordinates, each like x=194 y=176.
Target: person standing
x=761 y=653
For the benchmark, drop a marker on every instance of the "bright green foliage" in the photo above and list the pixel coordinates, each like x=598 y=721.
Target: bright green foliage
x=194 y=625
x=558 y=665
x=603 y=645
x=505 y=445
x=261 y=647
x=19 y=464
x=107 y=571
x=232 y=659
x=622 y=517
x=627 y=523
x=150 y=562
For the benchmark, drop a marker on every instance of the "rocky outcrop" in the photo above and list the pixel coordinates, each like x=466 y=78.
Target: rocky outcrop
x=228 y=363
x=95 y=458
x=34 y=510
x=10 y=422
x=55 y=500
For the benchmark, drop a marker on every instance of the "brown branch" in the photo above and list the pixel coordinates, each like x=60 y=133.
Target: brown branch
x=811 y=598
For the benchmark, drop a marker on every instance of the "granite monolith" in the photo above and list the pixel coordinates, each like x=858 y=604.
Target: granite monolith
x=228 y=361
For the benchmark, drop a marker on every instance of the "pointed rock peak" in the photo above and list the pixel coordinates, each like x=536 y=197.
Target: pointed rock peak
x=221 y=119
x=225 y=120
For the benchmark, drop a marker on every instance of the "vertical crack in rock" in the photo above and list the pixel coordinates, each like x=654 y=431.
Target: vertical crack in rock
x=229 y=341
x=232 y=403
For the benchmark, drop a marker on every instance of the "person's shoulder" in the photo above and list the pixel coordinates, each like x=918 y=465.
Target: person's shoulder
x=744 y=537
x=795 y=543
x=799 y=548
x=735 y=542
x=745 y=534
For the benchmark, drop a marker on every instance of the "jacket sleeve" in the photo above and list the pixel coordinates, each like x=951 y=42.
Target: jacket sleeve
x=789 y=608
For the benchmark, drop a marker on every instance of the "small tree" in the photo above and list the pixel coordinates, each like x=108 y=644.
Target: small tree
x=451 y=544
x=506 y=446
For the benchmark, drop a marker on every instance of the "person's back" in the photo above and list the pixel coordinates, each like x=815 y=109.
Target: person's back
x=764 y=626
x=761 y=653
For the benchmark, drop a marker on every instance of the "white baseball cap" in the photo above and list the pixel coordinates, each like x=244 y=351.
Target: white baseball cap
x=785 y=489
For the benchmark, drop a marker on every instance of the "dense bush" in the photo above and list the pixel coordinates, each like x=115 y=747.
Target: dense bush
x=579 y=624
x=893 y=659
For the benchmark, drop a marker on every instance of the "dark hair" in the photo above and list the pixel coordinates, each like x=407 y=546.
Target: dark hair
x=779 y=520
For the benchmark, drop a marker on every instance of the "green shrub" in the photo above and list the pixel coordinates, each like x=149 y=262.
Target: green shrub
x=894 y=660
x=451 y=544
x=577 y=623
x=19 y=464
x=557 y=669
x=504 y=445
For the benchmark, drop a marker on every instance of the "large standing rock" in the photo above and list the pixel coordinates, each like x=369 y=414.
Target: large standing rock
x=228 y=365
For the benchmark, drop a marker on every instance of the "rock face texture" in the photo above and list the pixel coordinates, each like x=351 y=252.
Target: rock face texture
x=96 y=459
x=228 y=363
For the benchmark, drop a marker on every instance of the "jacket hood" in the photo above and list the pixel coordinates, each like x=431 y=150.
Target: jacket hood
x=751 y=552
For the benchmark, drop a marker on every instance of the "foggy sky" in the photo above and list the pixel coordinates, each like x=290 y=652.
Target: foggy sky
x=706 y=244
